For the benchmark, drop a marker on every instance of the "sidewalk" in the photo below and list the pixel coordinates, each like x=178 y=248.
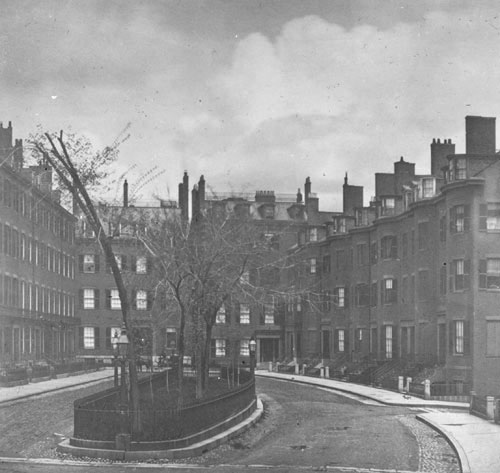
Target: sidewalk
x=475 y=440
x=33 y=389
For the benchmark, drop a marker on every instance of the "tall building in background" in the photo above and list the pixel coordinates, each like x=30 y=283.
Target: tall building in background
x=37 y=263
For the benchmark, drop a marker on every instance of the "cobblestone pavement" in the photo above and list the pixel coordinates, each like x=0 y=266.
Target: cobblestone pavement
x=435 y=454
x=31 y=427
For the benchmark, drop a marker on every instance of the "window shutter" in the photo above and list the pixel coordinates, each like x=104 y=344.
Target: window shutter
x=80 y=337
x=453 y=226
x=395 y=347
x=97 y=294
x=382 y=341
x=149 y=265
x=97 y=339
x=80 y=298
x=395 y=289
x=482 y=274
x=212 y=348
x=108 y=338
x=451 y=339
x=237 y=309
x=124 y=262
x=467 y=337
x=108 y=299
x=336 y=341
x=261 y=314
x=133 y=264
x=80 y=263
x=346 y=296
x=394 y=247
x=346 y=341
x=466 y=218
x=483 y=214
x=150 y=300
x=96 y=262
x=467 y=274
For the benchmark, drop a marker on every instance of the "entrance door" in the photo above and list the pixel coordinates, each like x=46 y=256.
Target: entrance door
x=325 y=344
x=269 y=349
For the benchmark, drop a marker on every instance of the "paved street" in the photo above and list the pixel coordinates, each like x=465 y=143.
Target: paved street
x=304 y=428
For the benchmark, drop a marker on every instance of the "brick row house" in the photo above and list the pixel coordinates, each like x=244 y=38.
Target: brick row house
x=37 y=263
x=99 y=306
x=415 y=276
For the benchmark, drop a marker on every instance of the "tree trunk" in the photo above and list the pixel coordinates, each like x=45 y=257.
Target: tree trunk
x=206 y=358
x=180 y=362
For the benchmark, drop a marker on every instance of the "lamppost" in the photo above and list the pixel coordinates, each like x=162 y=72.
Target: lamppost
x=123 y=438
x=252 y=345
x=114 y=343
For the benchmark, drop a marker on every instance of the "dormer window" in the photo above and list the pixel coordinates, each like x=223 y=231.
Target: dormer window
x=428 y=187
x=338 y=225
x=388 y=206
x=313 y=234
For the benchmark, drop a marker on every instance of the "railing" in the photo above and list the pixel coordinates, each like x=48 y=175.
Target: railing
x=99 y=418
x=450 y=389
x=418 y=389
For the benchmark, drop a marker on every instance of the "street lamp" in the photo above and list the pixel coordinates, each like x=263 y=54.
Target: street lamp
x=114 y=343
x=252 y=345
x=122 y=348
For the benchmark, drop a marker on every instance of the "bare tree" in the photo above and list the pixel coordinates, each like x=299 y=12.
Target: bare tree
x=78 y=169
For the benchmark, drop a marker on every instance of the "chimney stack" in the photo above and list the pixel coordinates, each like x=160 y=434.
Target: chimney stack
x=125 y=193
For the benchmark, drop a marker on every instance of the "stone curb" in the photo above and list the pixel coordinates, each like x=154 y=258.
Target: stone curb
x=60 y=388
x=191 y=451
x=417 y=403
x=462 y=457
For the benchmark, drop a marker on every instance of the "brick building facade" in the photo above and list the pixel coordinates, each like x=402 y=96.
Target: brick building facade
x=37 y=263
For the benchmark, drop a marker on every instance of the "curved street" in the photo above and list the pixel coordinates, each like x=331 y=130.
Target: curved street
x=304 y=428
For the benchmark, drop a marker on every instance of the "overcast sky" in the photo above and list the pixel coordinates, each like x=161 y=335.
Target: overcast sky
x=253 y=94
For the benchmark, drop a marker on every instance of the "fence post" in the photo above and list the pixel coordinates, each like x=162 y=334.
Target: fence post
x=400 y=384
x=327 y=371
x=408 y=382
x=304 y=366
x=270 y=366
x=490 y=407
x=297 y=368
x=471 y=405
x=322 y=372
x=427 y=389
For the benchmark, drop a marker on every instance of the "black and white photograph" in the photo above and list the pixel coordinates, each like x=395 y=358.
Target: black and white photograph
x=249 y=235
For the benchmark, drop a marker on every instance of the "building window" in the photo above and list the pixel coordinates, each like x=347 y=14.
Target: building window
x=389 y=247
x=428 y=187
x=489 y=216
x=244 y=314
x=220 y=318
x=388 y=206
x=459 y=169
x=220 y=347
x=313 y=234
x=459 y=337
x=338 y=225
x=326 y=264
x=489 y=273
x=388 y=341
x=312 y=265
x=423 y=235
x=340 y=297
x=390 y=293
x=115 y=302
x=362 y=295
x=373 y=253
x=362 y=254
x=493 y=338
x=89 y=263
x=245 y=347
x=460 y=274
x=459 y=219
x=141 y=300
x=87 y=230
x=340 y=339
x=269 y=314
x=141 y=265
x=90 y=299
x=88 y=338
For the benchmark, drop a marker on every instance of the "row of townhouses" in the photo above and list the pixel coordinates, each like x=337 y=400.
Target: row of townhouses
x=412 y=278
